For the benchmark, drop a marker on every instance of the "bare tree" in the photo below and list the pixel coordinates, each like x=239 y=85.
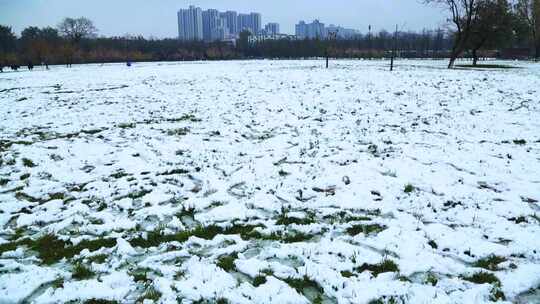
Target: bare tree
x=463 y=15
x=77 y=29
x=529 y=10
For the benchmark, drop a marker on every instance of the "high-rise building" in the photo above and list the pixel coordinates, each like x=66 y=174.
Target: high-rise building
x=210 y=20
x=190 y=25
x=271 y=28
x=301 y=30
x=250 y=22
x=255 y=22
x=232 y=21
x=211 y=25
x=243 y=22
x=314 y=30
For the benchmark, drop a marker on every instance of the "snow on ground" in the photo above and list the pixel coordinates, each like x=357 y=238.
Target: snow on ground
x=270 y=182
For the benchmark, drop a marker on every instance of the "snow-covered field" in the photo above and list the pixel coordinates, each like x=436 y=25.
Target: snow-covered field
x=270 y=182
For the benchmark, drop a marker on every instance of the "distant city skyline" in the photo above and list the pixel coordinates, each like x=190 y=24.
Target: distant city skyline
x=159 y=18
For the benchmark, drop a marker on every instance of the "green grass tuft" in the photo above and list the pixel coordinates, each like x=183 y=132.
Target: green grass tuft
x=366 y=229
x=178 y=132
x=100 y=301
x=28 y=163
x=81 y=272
x=227 y=262
x=259 y=280
x=409 y=188
x=483 y=277
x=490 y=263
x=376 y=269
x=346 y=274
x=151 y=293
x=302 y=283
x=431 y=279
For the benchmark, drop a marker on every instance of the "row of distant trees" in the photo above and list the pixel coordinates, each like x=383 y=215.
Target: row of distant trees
x=476 y=27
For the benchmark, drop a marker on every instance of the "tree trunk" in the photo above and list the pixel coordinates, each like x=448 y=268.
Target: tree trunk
x=475 y=57
x=452 y=61
x=327 y=54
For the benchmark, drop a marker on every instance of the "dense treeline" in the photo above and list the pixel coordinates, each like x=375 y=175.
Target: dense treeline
x=476 y=27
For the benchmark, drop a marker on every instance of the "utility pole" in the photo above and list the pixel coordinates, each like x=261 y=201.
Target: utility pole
x=369 y=41
x=394 y=50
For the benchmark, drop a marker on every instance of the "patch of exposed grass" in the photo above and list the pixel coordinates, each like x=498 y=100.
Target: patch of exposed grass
x=483 y=277
x=52 y=249
x=490 y=263
x=283 y=173
x=497 y=295
x=189 y=117
x=140 y=275
x=287 y=237
x=518 y=220
x=174 y=171
x=138 y=194
x=259 y=280
x=98 y=258
x=151 y=293
x=388 y=300
x=433 y=244
x=431 y=279
x=346 y=274
x=119 y=174
x=284 y=219
x=520 y=142
x=178 y=132
x=28 y=163
x=376 y=269
x=409 y=188
x=127 y=125
x=56 y=196
x=303 y=283
x=24 y=176
x=227 y=262
x=100 y=301
x=81 y=272
x=155 y=238
x=4 y=181
x=366 y=229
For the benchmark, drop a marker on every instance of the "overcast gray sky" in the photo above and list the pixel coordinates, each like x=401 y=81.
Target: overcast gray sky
x=157 y=18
